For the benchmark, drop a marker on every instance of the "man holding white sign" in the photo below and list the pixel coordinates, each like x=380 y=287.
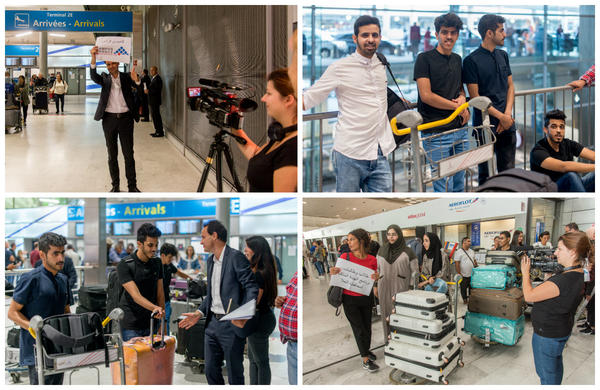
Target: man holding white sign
x=117 y=110
x=356 y=271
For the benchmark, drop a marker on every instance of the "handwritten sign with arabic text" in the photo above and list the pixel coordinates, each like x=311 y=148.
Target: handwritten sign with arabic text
x=353 y=277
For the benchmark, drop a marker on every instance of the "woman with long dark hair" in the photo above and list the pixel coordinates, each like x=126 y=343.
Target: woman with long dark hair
x=22 y=90
x=554 y=305
x=357 y=307
x=435 y=264
x=518 y=239
x=262 y=263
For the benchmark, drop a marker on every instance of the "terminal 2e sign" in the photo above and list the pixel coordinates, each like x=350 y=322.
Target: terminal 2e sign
x=77 y=21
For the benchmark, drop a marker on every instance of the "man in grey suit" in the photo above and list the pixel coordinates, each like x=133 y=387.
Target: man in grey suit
x=117 y=110
x=231 y=284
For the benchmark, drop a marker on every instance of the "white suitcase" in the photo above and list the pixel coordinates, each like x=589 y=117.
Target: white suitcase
x=421 y=299
x=436 y=374
x=416 y=327
x=434 y=358
x=420 y=341
x=11 y=355
x=420 y=312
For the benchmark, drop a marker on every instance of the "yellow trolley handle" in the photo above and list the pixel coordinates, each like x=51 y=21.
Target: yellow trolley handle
x=426 y=126
x=31 y=332
x=105 y=322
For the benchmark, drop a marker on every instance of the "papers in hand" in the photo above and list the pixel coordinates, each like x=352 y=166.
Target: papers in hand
x=353 y=277
x=244 y=312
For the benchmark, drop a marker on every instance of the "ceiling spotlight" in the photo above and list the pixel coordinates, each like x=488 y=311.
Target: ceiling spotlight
x=57 y=35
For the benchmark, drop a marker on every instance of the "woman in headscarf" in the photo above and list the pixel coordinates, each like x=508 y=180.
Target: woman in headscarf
x=435 y=265
x=396 y=263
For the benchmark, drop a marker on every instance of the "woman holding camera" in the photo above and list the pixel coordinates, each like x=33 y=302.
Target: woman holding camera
x=273 y=167
x=435 y=264
x=554 y=304
x=358 y=307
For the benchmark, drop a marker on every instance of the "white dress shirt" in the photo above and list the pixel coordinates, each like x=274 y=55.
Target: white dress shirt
x=360 y=85
x=215 y=280
x=116 y=102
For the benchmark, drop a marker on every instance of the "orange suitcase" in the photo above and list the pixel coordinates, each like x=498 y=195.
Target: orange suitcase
x=148 y=360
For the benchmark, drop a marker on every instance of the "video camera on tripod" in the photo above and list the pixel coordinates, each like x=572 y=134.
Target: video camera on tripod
x=542 y=261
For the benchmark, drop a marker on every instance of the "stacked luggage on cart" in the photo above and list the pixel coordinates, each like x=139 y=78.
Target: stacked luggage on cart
x=40 y=100
x=496 y=303
x=423 y=340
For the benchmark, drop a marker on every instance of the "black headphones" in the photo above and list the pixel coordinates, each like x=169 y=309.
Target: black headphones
x=277 y=132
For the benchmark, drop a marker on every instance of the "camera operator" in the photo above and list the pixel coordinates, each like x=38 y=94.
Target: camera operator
x=273 y=167
x=554 y=304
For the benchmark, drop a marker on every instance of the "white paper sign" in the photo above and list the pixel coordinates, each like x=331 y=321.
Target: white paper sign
x=116 y=49
x=353 y=277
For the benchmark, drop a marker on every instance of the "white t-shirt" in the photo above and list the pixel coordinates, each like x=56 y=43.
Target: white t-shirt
x=466 y=264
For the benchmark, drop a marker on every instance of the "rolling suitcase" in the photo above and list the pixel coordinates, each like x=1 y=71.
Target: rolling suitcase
x=420 y=341
x=494 y=276
x=500 y=330
x=508 y=303
x=428 y=305
x=148 y=360
x=190 y=342
x=12 y=119
x=503 y=257
x=427 y=329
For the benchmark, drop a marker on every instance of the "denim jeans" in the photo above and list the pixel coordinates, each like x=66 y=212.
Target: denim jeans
x=441 y=147
x=131 y=333
x=353 y=175
x=292 y=359
x=319 y=266
x=572 y=182
x=439 y=285
x=547 y=355
x=55 y=379
x=167 y=314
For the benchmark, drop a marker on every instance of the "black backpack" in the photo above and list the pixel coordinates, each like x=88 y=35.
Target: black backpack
x=396 y=104
x=197 y=289
x=115 y=289
x=518 y=180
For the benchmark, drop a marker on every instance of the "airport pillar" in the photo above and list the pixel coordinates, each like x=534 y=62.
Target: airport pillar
x=587 y=35
x=222 y=213
x=94 y=238
x=43 y=57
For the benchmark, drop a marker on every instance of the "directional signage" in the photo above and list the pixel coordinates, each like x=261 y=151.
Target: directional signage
x=96 y=21
x=22 y=50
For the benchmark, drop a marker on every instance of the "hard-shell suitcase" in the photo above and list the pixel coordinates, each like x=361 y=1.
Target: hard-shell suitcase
x=148 y=360
x=190 y=342
x=428 y=329
x=507 y=303
x=500 y=330
x=421 y=304
x=424 y=356
x=12 y=119
x=11 y=355
x=494 y=276
x=420 y=341
x=503 y=257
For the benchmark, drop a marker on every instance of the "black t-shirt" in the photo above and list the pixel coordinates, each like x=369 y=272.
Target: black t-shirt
x=168 y=271
x=445 y=76
x=262 y=306
x=567 y=149
x=145 y=275
x=262 y=166
x=554 y=317
x=490 y=71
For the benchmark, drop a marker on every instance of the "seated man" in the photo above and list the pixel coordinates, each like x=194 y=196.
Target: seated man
x=553 y=156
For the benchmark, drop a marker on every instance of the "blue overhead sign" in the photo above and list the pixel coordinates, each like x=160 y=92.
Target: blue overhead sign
x=22 y=50
x=95 y=21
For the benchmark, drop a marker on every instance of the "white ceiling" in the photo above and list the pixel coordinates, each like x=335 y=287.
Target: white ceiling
x=321 y=212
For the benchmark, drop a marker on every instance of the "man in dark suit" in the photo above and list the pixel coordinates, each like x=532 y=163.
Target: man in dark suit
x=117 y=110
x=231 y=283
x=154 y=92
x=145 y=84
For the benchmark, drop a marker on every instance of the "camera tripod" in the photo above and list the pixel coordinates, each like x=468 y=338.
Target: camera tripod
x=219 y=147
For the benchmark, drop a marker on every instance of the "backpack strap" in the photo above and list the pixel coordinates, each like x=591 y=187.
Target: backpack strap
x=385 y=63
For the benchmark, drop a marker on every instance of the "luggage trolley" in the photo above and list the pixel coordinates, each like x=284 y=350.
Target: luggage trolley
x=73 y=362
x=40 y=100
x=479 y=149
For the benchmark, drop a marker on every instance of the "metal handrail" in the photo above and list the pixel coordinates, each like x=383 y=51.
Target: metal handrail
x=321 y=116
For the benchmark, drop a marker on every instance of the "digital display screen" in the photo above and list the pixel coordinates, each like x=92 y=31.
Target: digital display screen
x=122 y=228
x=79 y=229
x=194 y=91
x=188 y=226
x=166 y=227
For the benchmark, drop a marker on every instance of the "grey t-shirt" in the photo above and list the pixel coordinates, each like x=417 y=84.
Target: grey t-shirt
x=466 y=263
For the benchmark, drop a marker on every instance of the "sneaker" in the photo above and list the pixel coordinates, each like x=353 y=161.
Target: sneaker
x=584 y=325
x=587 y=330
x=370 y=366
x=372 y=356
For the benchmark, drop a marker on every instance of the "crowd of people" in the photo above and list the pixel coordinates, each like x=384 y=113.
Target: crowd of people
x=233 y=279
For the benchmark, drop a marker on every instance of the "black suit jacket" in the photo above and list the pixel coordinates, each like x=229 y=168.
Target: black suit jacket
x=105 y=81
x=238 y=285
x=155 y=91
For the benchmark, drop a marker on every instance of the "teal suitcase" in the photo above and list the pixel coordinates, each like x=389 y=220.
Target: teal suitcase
x=502 y=330
x=494 y=276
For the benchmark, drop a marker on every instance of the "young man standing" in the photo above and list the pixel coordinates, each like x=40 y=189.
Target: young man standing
x=167 y=252
x=140 y=274
x=439 y=80
x=486 y=72
x=363 y=135
x=464 y=260
x=553 y=156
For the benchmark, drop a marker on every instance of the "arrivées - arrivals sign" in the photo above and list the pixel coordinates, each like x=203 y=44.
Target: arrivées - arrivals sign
x=96 y=21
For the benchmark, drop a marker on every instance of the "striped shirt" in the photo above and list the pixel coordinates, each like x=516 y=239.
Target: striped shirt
x=288 y=318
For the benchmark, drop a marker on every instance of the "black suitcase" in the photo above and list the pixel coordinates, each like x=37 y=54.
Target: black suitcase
x=190 y=342
x=12 y=339
x=93 y=297
x=519 y=180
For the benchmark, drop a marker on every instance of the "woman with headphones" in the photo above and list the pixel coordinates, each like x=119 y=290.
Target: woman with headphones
x=273 y=167
x=554 y=304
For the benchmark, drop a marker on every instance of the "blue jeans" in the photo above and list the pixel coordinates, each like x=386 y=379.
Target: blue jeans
x=319 y=266
x=547 y=355
x=292 y=359
x=441 y=147
x=353 y=175
x=131 y=333
x=572 y=182
x=439 y=285
x=167 y=314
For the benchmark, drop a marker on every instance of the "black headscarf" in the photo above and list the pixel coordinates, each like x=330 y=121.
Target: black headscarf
x=434 y=252
x=390 y=252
